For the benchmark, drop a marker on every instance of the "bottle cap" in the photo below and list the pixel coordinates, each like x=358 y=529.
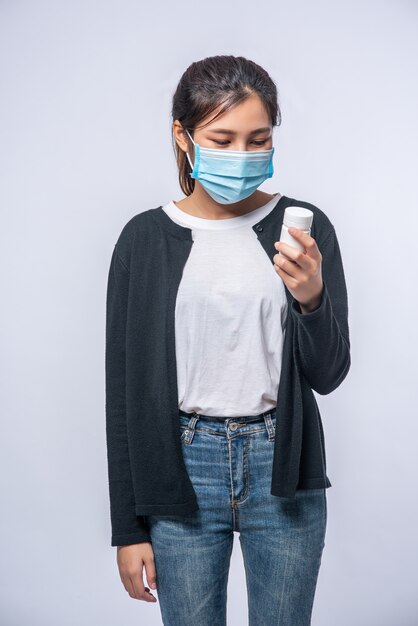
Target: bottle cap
x=298 y=216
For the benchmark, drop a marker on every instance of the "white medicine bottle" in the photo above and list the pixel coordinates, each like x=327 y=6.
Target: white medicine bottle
x=298 y=217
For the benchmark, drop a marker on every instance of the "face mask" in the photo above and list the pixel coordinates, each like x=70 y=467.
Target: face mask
x=230 y=175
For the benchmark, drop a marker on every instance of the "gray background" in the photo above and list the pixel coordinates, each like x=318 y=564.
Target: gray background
x=85 y=145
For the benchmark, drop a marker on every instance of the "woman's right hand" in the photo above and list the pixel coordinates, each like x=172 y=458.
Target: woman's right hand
x=131 y=560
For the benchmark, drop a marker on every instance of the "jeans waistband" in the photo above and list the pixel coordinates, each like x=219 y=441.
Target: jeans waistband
x=246 y=418
x=229 y=427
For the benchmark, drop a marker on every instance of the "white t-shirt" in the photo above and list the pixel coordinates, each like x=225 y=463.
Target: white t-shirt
x=230 y=317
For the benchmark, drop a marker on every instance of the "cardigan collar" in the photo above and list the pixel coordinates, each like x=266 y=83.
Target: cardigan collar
x=183 y=232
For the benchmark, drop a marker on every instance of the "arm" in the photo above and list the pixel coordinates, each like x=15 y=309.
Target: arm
x=127 y=527
x=323 y=341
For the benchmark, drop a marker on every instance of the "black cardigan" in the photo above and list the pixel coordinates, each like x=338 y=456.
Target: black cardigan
x=146 y=469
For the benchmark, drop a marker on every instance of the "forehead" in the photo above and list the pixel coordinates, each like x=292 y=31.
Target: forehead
x=245 y=117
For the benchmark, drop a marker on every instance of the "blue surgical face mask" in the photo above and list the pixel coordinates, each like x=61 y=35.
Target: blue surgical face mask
x=230 y=175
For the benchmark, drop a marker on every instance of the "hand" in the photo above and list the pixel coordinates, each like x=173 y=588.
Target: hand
x=301 y=271
x=131 y=560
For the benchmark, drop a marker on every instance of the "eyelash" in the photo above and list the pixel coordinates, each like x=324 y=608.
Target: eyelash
x=224 y=143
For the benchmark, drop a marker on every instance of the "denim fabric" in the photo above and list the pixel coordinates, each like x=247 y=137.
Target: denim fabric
x=229 y=462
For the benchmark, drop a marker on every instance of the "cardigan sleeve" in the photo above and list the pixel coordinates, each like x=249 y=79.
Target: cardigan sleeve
x=322 y=336
x=127 y=527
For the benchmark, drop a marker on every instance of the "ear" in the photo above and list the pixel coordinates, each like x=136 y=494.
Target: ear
x=180 y=136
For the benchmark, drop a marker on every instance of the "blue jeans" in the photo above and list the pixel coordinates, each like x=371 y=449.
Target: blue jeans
x=229 y=462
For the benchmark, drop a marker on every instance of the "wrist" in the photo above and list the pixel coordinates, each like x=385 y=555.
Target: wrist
x=315 y=303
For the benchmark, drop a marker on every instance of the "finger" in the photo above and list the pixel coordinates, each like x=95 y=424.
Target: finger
x=293 y=254
x=127 y=583
x=306 y=240
x=140 y=591
x=151 y=573
x=289 y=281
x=289 y=266
x=295 y=258
x=134 y=585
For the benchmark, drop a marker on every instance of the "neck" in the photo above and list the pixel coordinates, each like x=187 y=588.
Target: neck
x=201 y=204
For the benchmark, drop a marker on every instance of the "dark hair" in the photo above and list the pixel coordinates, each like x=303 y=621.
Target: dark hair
x=205 y=85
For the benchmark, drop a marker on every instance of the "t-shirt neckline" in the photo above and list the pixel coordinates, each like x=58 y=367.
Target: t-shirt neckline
x=250 y=218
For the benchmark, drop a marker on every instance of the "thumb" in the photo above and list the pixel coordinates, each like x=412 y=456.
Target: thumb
x=150 y=573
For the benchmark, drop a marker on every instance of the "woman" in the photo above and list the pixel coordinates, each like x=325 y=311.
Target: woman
x=214 y=345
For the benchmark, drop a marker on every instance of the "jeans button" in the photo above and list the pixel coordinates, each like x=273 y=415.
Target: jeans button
x=233 y=426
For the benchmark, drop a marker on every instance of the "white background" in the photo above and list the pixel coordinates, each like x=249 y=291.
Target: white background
x=85 y=145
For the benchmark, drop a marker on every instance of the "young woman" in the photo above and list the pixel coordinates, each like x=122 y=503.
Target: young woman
x=214 y=345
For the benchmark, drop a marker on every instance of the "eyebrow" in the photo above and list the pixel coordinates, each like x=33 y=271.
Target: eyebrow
x=232 y=132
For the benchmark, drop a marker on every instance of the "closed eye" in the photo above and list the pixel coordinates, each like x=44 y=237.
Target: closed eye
x=256 y=143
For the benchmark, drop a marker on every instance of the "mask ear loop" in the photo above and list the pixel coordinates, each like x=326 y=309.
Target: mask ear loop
x=191 y=164
x=187 y=153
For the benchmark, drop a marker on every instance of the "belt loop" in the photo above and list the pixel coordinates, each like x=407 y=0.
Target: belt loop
x=188 y=434
x=271 y=431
